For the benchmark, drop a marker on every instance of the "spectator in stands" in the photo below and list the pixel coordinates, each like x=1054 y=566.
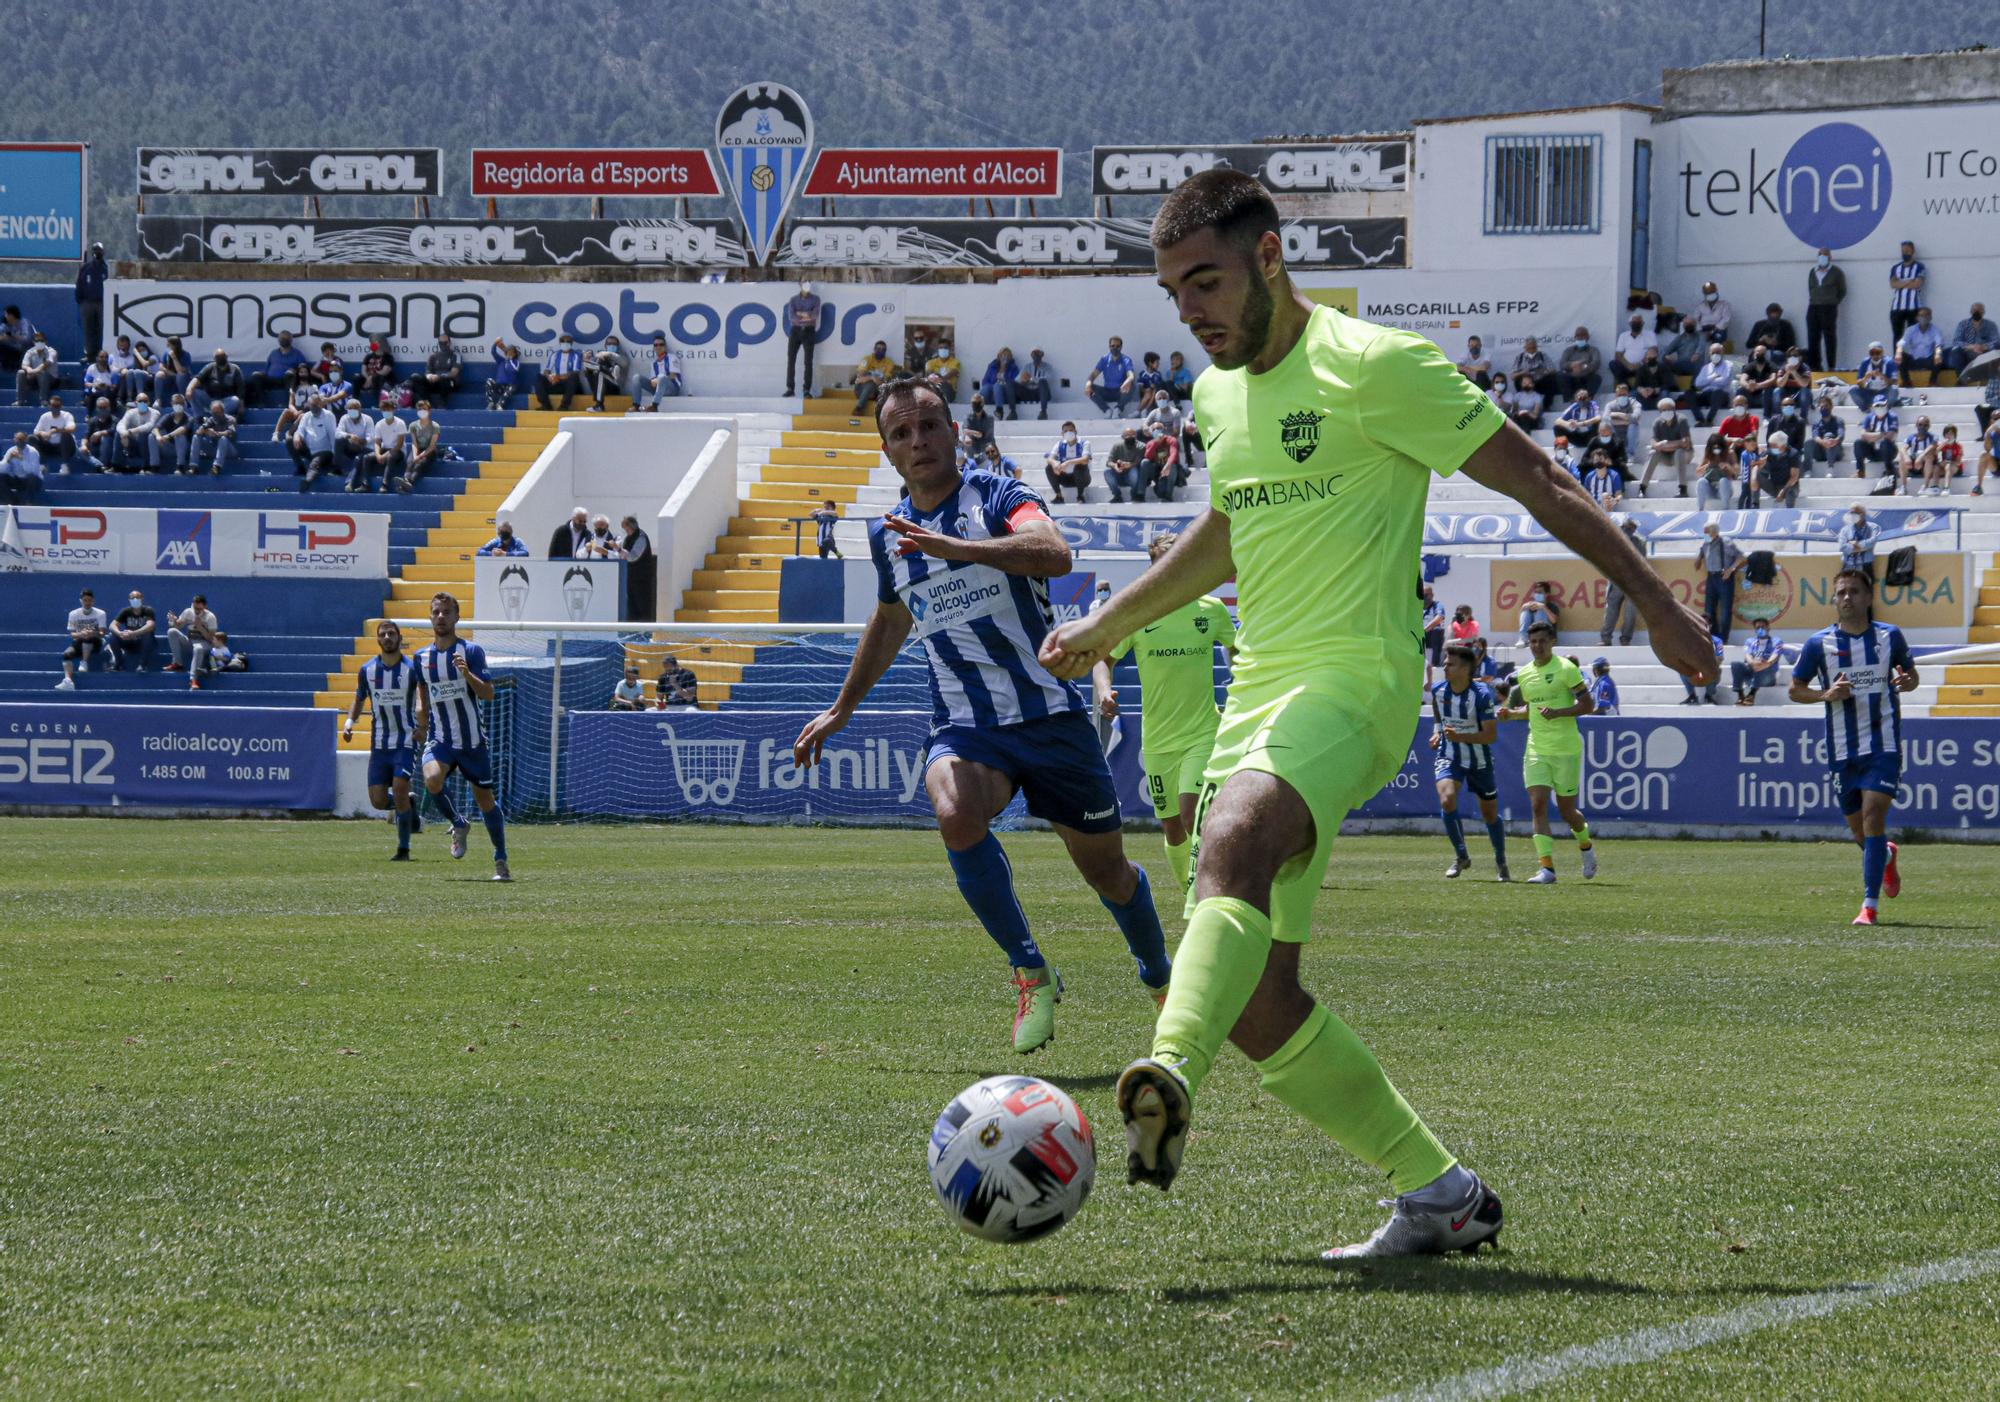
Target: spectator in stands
x=1160 y=470
x=1714 y=385
x=1110 y=383
x=1582 y=365
x=943 y=367
x=1713 y=317
x=1789 y=420
x=1946 y=461
x=1739 y=426
x=87 y=627
x=603 y=542
x=1487 y=669
x=1759 y=667
x=1603 y=690
x=327 y=367
x=1829 y=433
x=1561 y=454
x=1917 y=449
x=1629 y=350
x=1826 y=289
x=1580 y=417
x=997 y=384
x=1524 y=404
x=1921 y=348
x=134 y=633
x=124 y=362
x=1166 y=416
x=630 y=694
x=1539 y=607
x=1757 y=381
x=1433 y=632
x=875 y=370
x=1036 y=382
x=385 y=456
x=1989 y=451
x=993 y=460
x=662 y=379
x=503 y=543
x=90 y=297
x=1068 y=463
x=642 y=566
x=676 y=686
x=21 y=470
x=134 y=427
x=1794 y=379
x=173 y=372
x=1774 y=331
x=1906 y=291
x=17 y=333
x=1673 y=444
x=352 y=437
x=1620 y=614
x=1603 y=481
x=1651 y=381
x=1121 y=469
x=215 y=440
x=1530 y=361
x=1476 y=365
x=172 y=439
x=220 y=382
x=1972 y=338
x=379 y=375
x=441 y=373
x=609 y=368
x=280 y=372
x=1180 y=379
x=334 y=386
x=1707 y=692
x=55 y=435
x=1856 y=542
x=825 y=517
x=99 y=379
x=192 y=637
x=1621 y=418
x=39 y=374
x=1875 y=441
x=298 y=404
x=562 y=368
x=424 y=450
x=506 y=376
x=1686 y=350
x=100 y=436
x=1778 y=472
x=1463 y=627
x=1150 y=382
x=1500 y=393
x=801 y=332
x=1721 y=560
x=979 y=423
x=312 y=443
x=1611 y=444
x=570 y=536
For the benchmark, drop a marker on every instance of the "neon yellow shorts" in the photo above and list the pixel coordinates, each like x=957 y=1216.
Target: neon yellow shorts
x=1558 y=772
x=1335 y=745
x=1172 y=774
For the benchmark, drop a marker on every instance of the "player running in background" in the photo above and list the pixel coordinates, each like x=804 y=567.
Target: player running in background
x=1553 y=694
x=1463 y=713
x=1322 y=431
x=1176 y=660
x=965 y=559
x=1858 y=668
x=390 y=680
x=451 y=677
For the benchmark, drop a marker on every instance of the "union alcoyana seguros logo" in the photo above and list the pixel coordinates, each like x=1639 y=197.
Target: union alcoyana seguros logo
x=1299 y=433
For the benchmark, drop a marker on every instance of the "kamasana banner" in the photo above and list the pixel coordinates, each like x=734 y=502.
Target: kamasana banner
x=193 y=541
x=166 y=756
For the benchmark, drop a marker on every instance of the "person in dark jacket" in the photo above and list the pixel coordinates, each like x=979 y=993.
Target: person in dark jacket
x=90 y=299
x=1826 y=288
x=641 y=571
x=570 y=535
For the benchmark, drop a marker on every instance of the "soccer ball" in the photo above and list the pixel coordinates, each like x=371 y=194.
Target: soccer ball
x=1012 y=1158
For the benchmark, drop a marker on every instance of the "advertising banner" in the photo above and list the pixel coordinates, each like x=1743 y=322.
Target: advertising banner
x=1114 y=245
x=44 y=201
x=651 y=172
x=1776 y=524
x=903 y=173
x=443 y=243
x=1750 y=186
x=290 y=170
x=166 y=756
x=516 y=588
x=1797 y=602
x=1288 y=168
x=172 y=540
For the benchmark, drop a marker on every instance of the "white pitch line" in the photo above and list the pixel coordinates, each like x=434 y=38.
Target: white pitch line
x=1512 y=1375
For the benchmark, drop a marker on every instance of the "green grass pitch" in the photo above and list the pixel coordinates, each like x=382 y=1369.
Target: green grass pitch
x=280 y=1118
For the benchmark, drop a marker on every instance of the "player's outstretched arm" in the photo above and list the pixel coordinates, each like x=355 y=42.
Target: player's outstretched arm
x=1510 y=462
x=1198 y=562
x=888 y=627
x=1035 y=547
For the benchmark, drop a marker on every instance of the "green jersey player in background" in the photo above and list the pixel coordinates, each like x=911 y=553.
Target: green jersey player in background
x=1322 y=431
x=1553 y=694
x=1176 y=661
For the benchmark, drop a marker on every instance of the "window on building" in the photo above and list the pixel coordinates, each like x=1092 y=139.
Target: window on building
x=1542 y=184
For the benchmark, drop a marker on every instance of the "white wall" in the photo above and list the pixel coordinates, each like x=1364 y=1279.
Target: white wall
x=695 y=514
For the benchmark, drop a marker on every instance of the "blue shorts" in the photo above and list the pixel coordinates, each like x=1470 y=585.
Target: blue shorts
x=1055 y=762
x=1876 y=773
x=384 y=765
x=475 y=765
x=1480 y=781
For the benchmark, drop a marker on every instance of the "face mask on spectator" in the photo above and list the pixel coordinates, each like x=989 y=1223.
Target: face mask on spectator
x=1069 y=437
x=1821 y=261
x=1708 y=297
x=424 y=414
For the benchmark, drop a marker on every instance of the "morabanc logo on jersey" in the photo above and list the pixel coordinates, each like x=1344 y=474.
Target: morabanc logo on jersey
x=1299 y=434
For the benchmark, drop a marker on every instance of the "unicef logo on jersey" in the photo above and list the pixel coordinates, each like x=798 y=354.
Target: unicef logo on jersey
x=1834 y=186
x=1630 y=769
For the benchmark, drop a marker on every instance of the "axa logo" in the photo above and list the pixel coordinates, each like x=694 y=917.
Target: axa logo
x=690 y=325
x=1832 y=187
x=183 y=540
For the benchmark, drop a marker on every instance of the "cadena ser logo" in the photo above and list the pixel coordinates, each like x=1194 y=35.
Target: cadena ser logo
x=185 y=541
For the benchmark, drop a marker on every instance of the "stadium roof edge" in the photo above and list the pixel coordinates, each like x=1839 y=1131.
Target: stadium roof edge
x=1536 y=112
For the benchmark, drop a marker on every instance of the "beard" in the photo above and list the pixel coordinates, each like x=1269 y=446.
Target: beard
x=1254 y=328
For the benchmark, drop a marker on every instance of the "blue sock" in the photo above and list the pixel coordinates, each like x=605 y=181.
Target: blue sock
x=1874 y=861
x=1140 y=924
x=496 y=828
x=1454 y=828
x=987 y=883
x=443 y=801
x=1496 y=833
x=402 y=829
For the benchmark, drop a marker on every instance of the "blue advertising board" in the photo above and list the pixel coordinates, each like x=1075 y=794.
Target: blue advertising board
x=44 y=196
x=166 y=756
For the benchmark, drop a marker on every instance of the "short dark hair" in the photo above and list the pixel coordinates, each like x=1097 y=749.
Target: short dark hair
x=1227 y=201
x=1461 y=652
x=909 y=384
x=1867 y=580
x=1542 y=625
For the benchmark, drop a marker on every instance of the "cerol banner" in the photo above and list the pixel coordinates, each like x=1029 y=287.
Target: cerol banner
x=1114 y=245
x=290 y=170
x=443 y=243
x=1284 y=168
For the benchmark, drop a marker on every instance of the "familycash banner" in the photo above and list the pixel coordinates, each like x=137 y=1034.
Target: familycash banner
x=256 y=544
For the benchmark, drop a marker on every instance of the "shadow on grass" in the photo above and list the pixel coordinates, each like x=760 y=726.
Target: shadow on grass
x=1425 y=1276
x=1073 y=1084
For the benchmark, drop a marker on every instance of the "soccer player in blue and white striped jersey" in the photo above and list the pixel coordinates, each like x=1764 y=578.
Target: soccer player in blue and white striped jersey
x=1858 y=669
x=964 y=559
x=451 y=681
x=390 y=681
x=1464 y=721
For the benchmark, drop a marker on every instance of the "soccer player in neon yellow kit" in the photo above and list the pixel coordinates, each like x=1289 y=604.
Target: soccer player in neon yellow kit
x=1321 y=432
x=1176 y=660
x=1553 y=694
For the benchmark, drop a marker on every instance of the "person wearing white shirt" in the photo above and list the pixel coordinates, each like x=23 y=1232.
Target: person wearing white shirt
x=386 y=460
x=87 y=626
x=1714 y=386
x=39 y=373
x=1631 y=346
x=192 y=639
x=600 y=544
x=20 y=470
x=133 y=431
x=351 y=439
x=55 y=434
x=1713 y=316
x=311 y=444
x=663 y=380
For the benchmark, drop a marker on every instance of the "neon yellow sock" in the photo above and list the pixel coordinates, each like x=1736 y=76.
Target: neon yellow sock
x=1327 y=1074
x=1583 y=838
x=1177 y=858
x=1216 y=969
x=1545 y=848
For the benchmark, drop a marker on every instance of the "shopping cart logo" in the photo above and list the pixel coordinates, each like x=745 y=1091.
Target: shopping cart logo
x=706 y=770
